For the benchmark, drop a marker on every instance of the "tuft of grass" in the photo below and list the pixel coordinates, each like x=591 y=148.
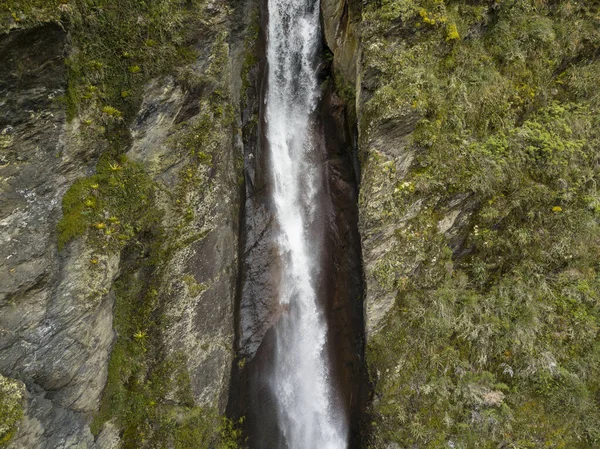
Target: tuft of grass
x=112 y=112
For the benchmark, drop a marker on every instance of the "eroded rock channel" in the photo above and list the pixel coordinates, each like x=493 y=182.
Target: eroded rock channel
x=318 y=148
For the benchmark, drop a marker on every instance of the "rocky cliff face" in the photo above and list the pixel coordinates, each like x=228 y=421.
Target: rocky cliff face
x=56 y=315
x=472 y=236
x=477 y=151
x=138 y=310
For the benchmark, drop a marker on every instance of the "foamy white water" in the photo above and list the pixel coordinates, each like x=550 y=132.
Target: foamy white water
x=304 y=393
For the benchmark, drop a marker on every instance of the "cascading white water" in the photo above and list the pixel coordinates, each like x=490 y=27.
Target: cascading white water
x=304 y=395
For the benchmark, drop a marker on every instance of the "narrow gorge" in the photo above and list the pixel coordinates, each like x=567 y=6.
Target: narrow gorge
x=299 y=224
x=301 y=324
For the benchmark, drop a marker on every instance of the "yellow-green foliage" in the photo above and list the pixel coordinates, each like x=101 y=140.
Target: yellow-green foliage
x=120 y=45
x=112 y=112
x=112 y=206
x=30 y=12
x=11 y=408
x=495 y=345
x=147 y=395
x=452 y=32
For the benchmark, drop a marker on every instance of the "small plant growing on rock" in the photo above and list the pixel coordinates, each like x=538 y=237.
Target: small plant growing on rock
x=140 y=335
x=452 y=33
x=426 y=18
x=112 y=112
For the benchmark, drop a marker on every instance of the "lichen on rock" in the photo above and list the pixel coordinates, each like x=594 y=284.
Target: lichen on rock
x=12 y=393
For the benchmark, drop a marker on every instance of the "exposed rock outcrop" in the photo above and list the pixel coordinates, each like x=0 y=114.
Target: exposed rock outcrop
x=56 y=307
x=55 y=313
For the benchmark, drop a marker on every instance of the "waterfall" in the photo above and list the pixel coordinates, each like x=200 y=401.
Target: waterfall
x=300 y=382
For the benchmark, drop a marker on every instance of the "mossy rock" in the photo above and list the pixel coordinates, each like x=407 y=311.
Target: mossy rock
x=12 y=394
x=111 y=206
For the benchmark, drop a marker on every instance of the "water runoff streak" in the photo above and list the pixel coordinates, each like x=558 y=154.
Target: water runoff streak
x=304 y=394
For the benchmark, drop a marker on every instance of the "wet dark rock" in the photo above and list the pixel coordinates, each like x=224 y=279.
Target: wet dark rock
x=342 y=289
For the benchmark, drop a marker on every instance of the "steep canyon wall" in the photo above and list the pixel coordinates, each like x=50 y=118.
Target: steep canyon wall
x=460 y=136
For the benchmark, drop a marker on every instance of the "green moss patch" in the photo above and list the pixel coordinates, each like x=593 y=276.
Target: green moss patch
x=118 y=47
x=11 y=408
x=110 y=207
x=29 y=13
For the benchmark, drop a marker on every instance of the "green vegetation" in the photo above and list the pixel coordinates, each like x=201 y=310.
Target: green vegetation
x=11 y=407
x=120 y=46
x=496 y=344
x=148 y=395
x=118 y=201
x=28 y=13
x=113 y=205
x=250 y=56
x=117 y=47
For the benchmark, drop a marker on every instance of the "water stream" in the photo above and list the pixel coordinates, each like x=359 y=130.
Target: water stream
x=305 y=397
